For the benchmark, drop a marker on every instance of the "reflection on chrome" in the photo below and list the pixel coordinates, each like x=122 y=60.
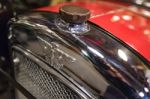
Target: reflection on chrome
x=84 y=52
x=72 y=28
x=16 y=60
x=95 y=52
x=147 y=75
x=122 y=55
x=146 y=89
x=141 y=94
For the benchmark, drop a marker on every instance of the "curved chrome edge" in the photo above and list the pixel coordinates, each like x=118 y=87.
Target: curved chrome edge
x=60 y=75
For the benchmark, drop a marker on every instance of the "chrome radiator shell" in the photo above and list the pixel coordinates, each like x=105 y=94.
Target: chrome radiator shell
x=94 y=64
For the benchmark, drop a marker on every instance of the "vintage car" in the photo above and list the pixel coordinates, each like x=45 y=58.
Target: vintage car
x=92 y=50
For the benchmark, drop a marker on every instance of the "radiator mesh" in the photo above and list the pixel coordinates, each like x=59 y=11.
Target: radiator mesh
x=39 y=82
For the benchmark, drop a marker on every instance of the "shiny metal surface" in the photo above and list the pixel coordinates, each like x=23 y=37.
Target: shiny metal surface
x=72 y=28
x=121 y=20
x=98 y=64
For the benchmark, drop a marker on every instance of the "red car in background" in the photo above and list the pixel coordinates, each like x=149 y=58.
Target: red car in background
x=89 y=50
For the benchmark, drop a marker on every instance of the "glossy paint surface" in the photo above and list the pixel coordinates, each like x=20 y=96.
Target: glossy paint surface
x=128 y=26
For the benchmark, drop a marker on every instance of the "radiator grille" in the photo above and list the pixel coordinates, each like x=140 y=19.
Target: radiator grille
x=39 y=82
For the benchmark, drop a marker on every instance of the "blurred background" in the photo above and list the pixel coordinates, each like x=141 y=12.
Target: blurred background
x=31 y=4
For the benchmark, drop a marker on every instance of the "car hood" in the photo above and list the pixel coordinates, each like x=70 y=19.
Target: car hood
x=129 y=26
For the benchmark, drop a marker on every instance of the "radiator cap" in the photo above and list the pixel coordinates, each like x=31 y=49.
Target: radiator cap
x=74 y=14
